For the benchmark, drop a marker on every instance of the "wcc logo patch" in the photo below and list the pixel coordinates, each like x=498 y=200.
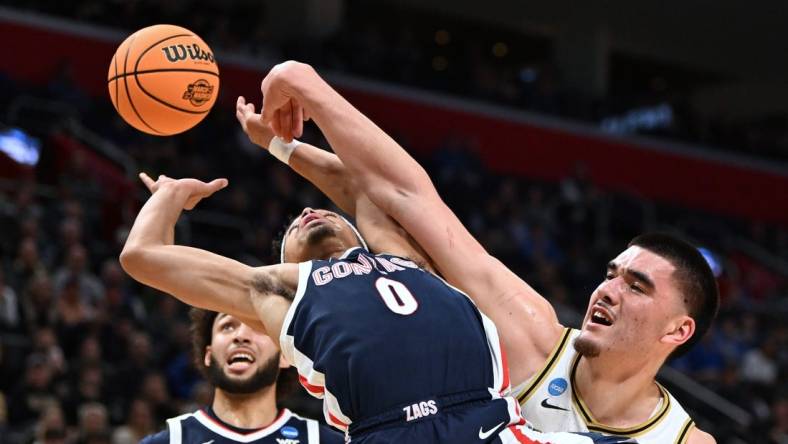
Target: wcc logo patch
x=557 y=386
x=199 y=92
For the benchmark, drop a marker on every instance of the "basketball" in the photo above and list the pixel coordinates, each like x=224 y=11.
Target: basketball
x=163 y=80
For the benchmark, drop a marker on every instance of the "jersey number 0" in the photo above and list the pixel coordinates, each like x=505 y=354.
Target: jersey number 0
x=396 y=296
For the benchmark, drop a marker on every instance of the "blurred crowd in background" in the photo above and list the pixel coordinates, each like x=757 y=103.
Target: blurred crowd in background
x=88 y=356
x=386 y=41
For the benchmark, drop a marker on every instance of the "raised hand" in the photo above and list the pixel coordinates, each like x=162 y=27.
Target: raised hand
x=196 y=189
x=281 y=107
x=259 y=132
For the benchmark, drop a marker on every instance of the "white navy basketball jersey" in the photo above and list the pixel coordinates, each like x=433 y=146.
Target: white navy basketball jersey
x=203 y=427
x=551 y=403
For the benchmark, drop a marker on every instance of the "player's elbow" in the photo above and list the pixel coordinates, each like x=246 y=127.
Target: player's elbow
x=132 y=259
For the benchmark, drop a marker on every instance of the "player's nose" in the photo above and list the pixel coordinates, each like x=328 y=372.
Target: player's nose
x=243 y=334
x=306 y=211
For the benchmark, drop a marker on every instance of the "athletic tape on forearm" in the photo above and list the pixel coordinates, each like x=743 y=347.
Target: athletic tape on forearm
x=281 y=150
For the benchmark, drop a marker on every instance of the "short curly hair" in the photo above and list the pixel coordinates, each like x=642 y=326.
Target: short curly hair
x=201 y=329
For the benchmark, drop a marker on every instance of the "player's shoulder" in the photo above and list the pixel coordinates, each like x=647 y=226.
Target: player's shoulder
x=162 y=437
x=698 y=436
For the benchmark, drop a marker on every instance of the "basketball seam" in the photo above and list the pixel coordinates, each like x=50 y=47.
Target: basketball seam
x=128 y=94
x=117 y=98
x=149 y=71
x=145 y=91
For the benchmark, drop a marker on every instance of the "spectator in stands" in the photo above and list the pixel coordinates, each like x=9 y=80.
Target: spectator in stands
x=28 y=400
x=760 y=365
x=76 y=269
x=93 y=424
x=51 y=427
x=38 y=304
x=9 y=307
x=26 y=264
x=139 y=424
x=154 y=391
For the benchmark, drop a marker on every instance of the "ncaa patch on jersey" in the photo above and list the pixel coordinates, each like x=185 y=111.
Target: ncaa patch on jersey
x=557 y=386
x=289 y=432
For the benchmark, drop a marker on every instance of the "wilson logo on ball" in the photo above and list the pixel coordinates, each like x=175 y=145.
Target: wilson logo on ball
x=176 y=53
x=198 y=92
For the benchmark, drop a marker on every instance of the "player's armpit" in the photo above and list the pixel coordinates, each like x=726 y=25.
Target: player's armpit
x=271 y=292
x=698 y=436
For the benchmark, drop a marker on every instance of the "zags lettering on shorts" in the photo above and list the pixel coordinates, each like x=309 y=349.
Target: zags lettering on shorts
x=487 y=434
x=420 y=410
x=547 y=405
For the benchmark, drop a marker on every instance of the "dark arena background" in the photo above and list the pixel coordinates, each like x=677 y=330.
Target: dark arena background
x=556 y=130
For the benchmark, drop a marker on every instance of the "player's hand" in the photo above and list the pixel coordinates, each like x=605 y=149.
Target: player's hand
x=259 y=133
x=196 y=190
x=281 y=107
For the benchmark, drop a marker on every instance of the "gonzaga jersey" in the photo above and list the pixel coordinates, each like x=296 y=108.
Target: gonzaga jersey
x=375 y=336
x=201 y=427
x=550 y=403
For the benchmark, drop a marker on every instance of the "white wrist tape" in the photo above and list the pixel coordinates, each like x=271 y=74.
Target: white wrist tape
x=281 y=150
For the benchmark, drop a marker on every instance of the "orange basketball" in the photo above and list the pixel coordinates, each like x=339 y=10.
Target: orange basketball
x=163 y=80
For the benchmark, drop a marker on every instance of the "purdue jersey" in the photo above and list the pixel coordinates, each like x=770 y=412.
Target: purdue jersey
x=551 y=403
x=203 y=427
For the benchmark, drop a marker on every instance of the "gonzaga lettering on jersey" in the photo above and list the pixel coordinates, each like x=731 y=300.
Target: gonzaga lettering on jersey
x=551 y=403
x=201 y=428
x=381 y=340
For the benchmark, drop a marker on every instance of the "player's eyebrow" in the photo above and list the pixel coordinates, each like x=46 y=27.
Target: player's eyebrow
x=637 y=274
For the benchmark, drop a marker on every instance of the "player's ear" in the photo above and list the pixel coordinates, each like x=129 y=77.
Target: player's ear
x=207 y=357
x=680 y=330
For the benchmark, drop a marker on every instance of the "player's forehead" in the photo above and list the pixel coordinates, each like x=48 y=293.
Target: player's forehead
x=644 y=261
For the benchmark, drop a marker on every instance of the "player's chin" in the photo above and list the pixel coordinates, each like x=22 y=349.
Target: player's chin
x=587 y=345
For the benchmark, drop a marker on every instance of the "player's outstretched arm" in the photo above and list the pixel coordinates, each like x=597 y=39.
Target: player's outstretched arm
x=322 y=168
x=327 y=172
x=399 y=185
x=198 y=277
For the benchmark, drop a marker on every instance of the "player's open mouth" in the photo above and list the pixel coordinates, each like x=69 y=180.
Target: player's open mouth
x=599 y=315
x=240 y=360
x=311 y=217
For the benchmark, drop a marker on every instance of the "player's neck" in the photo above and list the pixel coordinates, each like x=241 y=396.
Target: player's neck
x=332 y=249
x=617 y=394
x=247 y=411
